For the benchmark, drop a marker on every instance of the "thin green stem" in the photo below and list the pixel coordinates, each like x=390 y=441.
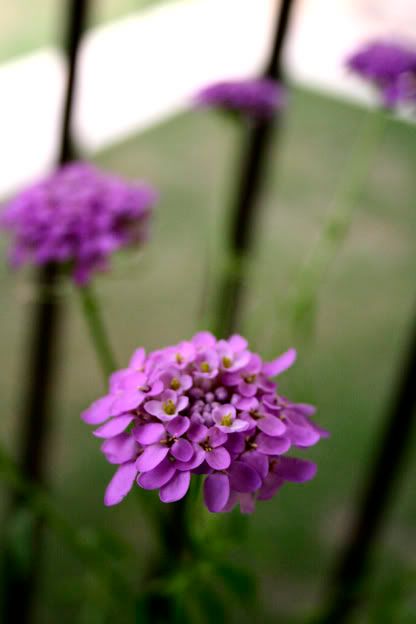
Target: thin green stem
x=98 y=333
x=303 y=299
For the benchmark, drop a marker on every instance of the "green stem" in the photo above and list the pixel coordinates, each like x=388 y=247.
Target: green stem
x=161 y=597
x=97 y=331
x=312 y=274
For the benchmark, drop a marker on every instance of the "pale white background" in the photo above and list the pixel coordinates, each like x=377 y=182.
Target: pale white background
x=141 y=69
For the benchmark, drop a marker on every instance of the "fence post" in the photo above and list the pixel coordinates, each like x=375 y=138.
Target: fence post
x=376 y=496
x=240 y=236
x=35 y=423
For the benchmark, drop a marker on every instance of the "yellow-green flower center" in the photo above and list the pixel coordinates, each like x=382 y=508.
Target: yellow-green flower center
x=179 y=358
x=227 y=420
x=227 y=362
x=250 y=379
x=175 y=384
x=169 y=407
x=205 y=367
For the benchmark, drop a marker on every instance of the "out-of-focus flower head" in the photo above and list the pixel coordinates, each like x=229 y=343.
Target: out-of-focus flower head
x=256 y=98
x=77 y=216
x=390 y=67
x=203 y=407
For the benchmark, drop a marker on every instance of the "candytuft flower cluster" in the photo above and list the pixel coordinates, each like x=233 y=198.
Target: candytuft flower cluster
x=203 y=407
x=391 y=67
x=77 y=216
x=257 y=98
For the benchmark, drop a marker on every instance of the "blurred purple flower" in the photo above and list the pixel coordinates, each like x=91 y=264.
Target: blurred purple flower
x=257 y=98
x=390 y=67
x=77 y=216
x=203 y=407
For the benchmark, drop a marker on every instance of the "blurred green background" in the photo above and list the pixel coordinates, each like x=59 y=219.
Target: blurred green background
x=347 y=367
x=24 y=29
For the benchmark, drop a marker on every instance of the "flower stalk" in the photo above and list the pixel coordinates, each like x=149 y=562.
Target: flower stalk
x=303 y=300
x=97 y=331
x=244 y=213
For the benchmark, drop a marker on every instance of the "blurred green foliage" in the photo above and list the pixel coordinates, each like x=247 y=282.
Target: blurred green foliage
x=348 y=369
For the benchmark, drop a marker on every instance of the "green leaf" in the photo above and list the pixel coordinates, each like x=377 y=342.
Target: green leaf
x=19 y=538
x=238 y=581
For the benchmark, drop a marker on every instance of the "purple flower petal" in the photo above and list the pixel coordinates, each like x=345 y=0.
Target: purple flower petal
x=178 y=426
x=302 y=436
x=182 y=403
x=203 y=340
x=114 y=426
x=216 y=492
x=235 y=443
x=258 y=461
x=272 y=445
x=247 y=390
x=245 y=403
x=280 y=364
x=154 y=408
x=219 y=458
x=247 y=503
x=148 y=433
x=323 y=433
x=176 y=488
x=232 y=501
x=151 y=457
x=243 y=478
x=194 y=462
x=271 y=484
x=217 y=437
x=126 y=401
x=197 y=432
x=159 y=476
x=137 y=359
x=99 y=411
x=120 y=449
x=121 y=484
x=156 y=388
x=237 y=343
x=271 y=425
x=295 y=470
x=304 y=408
x=116 y=379
x=182 y=450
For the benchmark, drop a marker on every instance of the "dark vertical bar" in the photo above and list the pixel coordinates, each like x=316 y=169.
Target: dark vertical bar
x=377 y=495
x=76 y=23
x=252 y=168
x=35 y=425
x=176 y=545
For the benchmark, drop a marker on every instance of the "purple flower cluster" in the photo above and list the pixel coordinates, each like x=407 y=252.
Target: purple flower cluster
x=78 y=216
x=203 y=407
x=256 y=98
x=391 y=67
